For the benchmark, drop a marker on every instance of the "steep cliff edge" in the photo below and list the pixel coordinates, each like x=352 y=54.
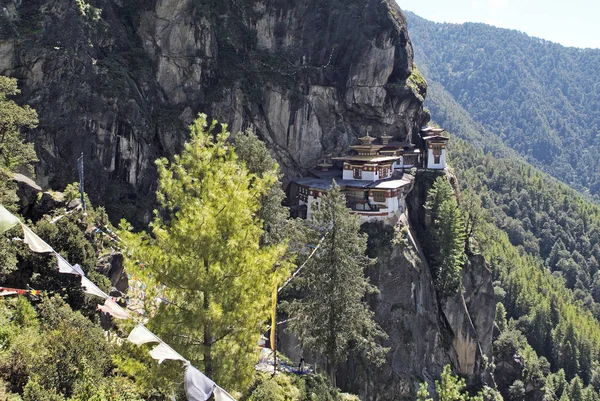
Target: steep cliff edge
x=425 y=332
x=119 y=80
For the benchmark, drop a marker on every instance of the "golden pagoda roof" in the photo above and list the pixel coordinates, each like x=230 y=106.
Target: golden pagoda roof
x=367 y=139
x=367 y=158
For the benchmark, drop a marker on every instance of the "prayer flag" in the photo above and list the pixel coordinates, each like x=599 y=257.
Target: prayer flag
x=162 y=351
x=222 y=395
x=17 y=291
x=141 y=335
x=78 y=270
x=36 y=244
x=7 y=220
x=91 y=288
x=198 y=387
x=114 y=309
x=65 y=267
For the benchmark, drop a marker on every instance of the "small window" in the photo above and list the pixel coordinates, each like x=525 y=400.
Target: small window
x=436 y=159
x=379 y=197
x=357 y=173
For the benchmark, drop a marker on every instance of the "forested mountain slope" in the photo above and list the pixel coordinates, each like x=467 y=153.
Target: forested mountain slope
x=541 y=98
x=542 y=241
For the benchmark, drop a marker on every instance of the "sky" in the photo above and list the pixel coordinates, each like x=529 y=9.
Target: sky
x=570 y=23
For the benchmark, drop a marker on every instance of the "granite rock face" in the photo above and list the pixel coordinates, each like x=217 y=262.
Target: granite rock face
x=120 y=80
x=424 y=333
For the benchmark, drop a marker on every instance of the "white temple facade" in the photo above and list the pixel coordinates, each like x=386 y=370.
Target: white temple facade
x=373 y=178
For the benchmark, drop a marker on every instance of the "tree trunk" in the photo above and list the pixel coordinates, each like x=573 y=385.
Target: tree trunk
x=207 y=340
x=331 y=373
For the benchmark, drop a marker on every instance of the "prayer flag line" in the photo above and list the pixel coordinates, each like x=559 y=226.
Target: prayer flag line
x=198 y=386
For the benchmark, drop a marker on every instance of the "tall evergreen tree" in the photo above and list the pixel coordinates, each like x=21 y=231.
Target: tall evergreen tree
x=253 y=152
x=446 y=245
x=15 y=153
x=332 y=318
x=205 y=248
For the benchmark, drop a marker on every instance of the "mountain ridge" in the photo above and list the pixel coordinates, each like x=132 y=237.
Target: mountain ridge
x=539 y=97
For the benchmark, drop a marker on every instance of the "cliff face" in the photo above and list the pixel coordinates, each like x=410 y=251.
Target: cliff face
x=119 y=80
x=424 y=334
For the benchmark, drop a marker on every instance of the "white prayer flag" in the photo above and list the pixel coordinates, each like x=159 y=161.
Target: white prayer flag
x=4 y=293
x=141 y=335
x=7 y=220
x=113 y=309
x=162 y=351
x=36 y=244
x=65 y=267
x=91 y=288
x=198 y=387
x=222 y=395
x=78 y=269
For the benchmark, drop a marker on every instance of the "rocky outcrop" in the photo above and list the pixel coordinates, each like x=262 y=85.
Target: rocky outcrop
x=112 y=266
x=424 y=335
x=407 y=310
x=119 y=80
x=470 y=316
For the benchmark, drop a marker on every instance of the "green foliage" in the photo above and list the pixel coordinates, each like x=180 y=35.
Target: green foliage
x=205 y=249
x=283 y=387
x=542 y=220
x=88 y=11
x=445 y=246
x=15 y=153
x=276 y=224
x=539 y=98
x=330 y=316
x=54 y=353
x=417 y=83
x=500 y=318
x=452 y=388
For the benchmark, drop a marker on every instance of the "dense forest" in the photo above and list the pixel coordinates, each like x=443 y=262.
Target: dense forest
x=535 y=231
x=515 y=100
x=498 y=95
x=539 y=97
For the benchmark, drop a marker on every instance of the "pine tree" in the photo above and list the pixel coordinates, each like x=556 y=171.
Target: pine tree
x=331 y=318
x=253 y=152
x=447 y=238
x=205 y=249
x=14 y=152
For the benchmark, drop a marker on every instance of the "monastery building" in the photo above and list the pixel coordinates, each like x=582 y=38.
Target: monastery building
x=373 y=176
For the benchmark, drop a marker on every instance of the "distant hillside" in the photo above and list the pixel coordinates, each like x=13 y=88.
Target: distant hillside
x=540 y=98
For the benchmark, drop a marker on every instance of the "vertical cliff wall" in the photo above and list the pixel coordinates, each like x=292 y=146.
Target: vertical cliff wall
x=425 y=333
x=119 y=80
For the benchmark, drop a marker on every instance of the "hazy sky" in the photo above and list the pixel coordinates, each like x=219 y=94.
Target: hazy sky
x=570 y=23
